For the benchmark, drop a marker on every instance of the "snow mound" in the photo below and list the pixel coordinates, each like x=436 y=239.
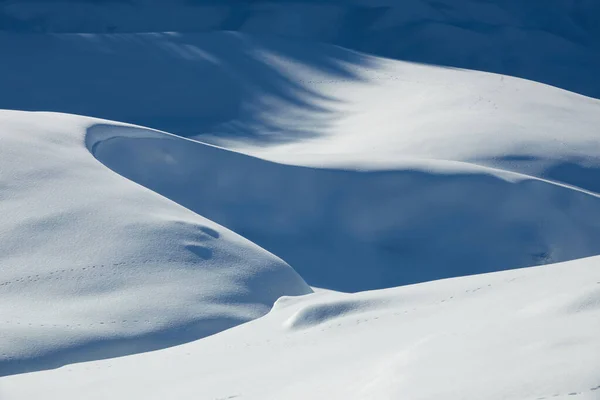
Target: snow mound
x=512 y=335
x=95 y=266
x=316 y=314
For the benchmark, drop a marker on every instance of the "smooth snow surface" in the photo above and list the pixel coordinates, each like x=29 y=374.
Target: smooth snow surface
x=398 y=173
x=177 y=257
x=351 y=230
x=395 y=174
x=514 y=335
x=388 y=203
x=95 y=266
x=555 y=41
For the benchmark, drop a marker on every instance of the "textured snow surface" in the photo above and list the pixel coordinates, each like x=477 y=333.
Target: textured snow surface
x=399 y=150
x=395 y=174
x=523 y=334
x=172 y=258
x=94 y=265
x=399 y=173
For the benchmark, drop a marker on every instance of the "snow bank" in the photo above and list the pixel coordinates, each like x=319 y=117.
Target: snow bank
x=95 y=266
x=513 y=335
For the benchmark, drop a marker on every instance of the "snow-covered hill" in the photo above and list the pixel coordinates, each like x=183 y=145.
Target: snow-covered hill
x=95 y=266
x=266 y=158
x=514 y=335
x=361 y=173
x=395 y=173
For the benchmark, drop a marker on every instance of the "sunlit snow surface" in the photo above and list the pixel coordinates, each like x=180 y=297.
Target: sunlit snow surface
x=291 y=163
x=522 y=334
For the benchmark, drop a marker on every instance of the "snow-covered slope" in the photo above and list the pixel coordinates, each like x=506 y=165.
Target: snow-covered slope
x=555 y=42
x=515 y=335
x=95 y=266
x=350 y=229
x=358 y=172
x=402 y=152
x=394 y=173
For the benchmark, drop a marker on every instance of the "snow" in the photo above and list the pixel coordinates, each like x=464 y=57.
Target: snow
x=513 y=335
x=351 y=230
x=554 y=42
x=430 y=186
x=95 y=266
x=278 y=217
x=432 y=136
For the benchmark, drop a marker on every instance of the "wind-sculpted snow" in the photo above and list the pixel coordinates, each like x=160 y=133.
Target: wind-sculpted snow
x=94 y=266
x=229 y=83
x=327 y=312
x=356 y=230
x=555 y=42
x=142 y=261
x=360 y=172
x=187 y=84
x=513 y=335
x=420 y=173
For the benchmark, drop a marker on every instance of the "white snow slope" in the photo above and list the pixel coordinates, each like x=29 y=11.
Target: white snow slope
x=316 y=105
x=300 y=164
x=95 y=266
x=516 y=335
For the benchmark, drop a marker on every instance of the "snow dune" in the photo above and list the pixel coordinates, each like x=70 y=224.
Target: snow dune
x=261 y=168
x=513 y=335
x=95 y=266
x=355 y=181
x=352 y=230
x=361 y=174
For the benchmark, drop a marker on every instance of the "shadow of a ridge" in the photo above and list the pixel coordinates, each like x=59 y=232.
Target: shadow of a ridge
x=555 y=42
x=225 y=84
x=579 y=172
x=358 y=230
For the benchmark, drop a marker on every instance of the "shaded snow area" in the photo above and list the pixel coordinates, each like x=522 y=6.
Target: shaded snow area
x=283 y=213
x=555 y=41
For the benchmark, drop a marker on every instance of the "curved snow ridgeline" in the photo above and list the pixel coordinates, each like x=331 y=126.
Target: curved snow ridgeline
x=512 y=335
x=95 y=266
x=392 y=173
x=354 y=230
x=359 y=172
x=292 y=163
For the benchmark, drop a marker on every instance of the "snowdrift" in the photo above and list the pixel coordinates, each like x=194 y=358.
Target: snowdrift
x=327 y=103
x=356 y=230
x=394 y=173
x=512 y=335
x=95 y=266
x=187 y=84
x=360 y=172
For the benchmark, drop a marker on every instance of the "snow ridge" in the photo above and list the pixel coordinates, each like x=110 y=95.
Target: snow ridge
x=204 y=252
